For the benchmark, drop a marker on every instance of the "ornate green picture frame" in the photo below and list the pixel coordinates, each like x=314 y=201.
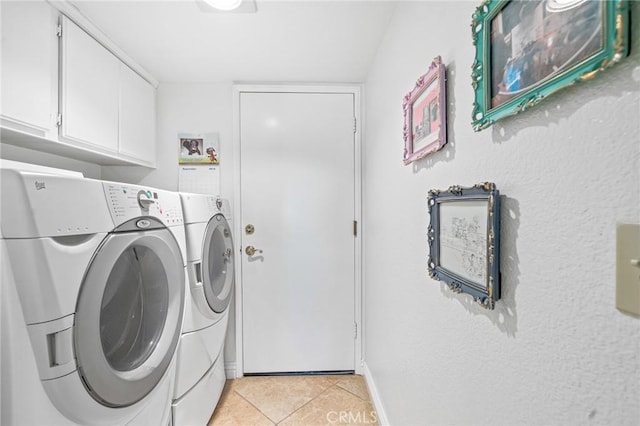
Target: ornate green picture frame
x=528 y=49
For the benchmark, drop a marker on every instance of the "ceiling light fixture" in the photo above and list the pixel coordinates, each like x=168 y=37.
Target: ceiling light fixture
x=227 y=6
x=224 y=4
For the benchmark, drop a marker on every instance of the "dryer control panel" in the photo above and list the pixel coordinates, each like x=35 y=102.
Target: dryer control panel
x=130 y=201
x=199 y=208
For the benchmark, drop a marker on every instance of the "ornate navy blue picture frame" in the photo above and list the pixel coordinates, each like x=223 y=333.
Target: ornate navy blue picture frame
x=464 y=240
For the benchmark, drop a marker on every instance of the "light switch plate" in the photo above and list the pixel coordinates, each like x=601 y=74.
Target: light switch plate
x=628 y=268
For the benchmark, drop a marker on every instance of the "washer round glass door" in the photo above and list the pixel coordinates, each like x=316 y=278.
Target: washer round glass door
x=128 y=315
x=217 y=263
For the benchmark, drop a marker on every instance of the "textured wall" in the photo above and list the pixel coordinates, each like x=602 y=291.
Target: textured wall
x=555 y=351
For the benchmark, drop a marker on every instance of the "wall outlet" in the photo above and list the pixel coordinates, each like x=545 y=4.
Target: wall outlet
x=628 y=268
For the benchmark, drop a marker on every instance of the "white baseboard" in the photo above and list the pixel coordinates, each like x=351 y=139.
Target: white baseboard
x=230 y=370
x=375 y=396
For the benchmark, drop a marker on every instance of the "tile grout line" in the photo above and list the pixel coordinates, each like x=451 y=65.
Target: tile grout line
x=291 y=413
x=357 y=396
x=335 y=385
x=306 y=403
x=257 y=409
x=334 y=382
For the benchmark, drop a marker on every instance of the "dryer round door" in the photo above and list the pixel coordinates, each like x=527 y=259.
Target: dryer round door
x=128 y=315
x=217 y=263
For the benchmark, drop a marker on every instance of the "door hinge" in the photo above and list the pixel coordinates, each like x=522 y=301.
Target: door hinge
x=355 y=228
x=59 y=30
x=355 y=125
x=59 y=120
x=355 y=327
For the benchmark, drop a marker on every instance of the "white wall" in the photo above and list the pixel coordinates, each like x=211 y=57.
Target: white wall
x=184 y=108
x=555 y=351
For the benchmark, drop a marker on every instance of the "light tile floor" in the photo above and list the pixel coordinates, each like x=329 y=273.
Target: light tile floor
x=294 y=400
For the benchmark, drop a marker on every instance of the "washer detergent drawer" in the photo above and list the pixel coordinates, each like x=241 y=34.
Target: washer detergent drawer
x=52 y=344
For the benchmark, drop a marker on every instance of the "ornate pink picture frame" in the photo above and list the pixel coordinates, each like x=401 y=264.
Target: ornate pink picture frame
x=425 y=114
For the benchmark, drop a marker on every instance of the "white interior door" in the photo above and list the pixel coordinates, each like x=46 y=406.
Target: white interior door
x=298 y=193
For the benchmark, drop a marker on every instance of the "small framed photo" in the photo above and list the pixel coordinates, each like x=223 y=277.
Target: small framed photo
x=529 y=49
x=464 y=240
x=425 y=120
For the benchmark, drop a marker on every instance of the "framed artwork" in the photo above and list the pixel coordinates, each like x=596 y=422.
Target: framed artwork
x=464 y=240
x=425 y=118
x=528 y=49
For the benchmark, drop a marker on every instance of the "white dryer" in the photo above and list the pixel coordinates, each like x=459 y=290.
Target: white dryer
x=99 y=273
x=210 y=267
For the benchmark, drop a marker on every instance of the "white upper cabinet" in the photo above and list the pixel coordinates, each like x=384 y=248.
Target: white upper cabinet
x=137 y=116
x=29 y=74
x=68 y=90
x=90 y=83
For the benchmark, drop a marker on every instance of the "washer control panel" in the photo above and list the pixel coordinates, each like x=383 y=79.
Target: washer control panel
x=130 y=201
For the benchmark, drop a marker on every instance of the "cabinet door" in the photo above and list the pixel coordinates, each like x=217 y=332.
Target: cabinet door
x=90 y=90
x=29 y=66
x=137 y=116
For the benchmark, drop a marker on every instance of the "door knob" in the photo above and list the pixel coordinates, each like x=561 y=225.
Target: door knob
x=251 y=250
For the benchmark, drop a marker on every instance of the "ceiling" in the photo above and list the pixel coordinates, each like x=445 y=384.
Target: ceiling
x=285 y=41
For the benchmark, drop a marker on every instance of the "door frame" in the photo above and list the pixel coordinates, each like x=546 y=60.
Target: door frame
x=354 y=90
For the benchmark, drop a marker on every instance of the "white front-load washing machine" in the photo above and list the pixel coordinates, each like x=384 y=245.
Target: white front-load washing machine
x=210 y=268
x=99 y=279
